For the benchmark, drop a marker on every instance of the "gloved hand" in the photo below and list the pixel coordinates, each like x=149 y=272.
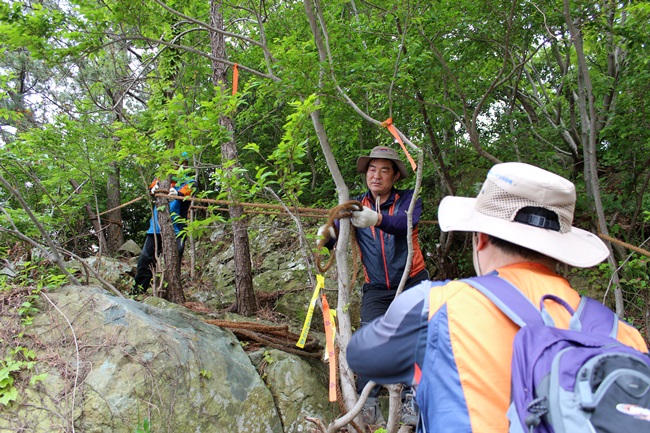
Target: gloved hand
x=326 y=232
x=154 y=189
x=364 y=218
x=173 y=191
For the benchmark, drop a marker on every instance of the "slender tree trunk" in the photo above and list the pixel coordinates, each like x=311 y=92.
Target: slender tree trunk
x=436 y=153
x=173 y=289
x=246 y=303
x=114 y=235
x=96 y=222
x=590 y=134
x=344 y=328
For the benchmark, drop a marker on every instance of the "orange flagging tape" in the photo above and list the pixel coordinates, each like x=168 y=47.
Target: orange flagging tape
x=329 y=343
x=235 y=79
x=388 y=123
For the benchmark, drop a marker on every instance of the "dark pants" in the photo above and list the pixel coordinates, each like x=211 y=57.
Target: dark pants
x=375 y=303
x=147 y=260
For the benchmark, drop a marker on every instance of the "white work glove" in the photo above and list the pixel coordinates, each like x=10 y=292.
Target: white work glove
x=326 y=232
x=173 y=191
x=154 y=189
x=364 y=218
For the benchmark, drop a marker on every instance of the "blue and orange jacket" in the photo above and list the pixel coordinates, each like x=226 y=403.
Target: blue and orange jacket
x=384 y=248
x=178 y=209
x=451 y=342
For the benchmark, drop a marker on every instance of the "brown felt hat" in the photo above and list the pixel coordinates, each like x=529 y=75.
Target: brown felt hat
x=382 y=152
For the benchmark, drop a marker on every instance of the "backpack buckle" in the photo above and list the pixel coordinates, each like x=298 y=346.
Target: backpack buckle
x=584 y=390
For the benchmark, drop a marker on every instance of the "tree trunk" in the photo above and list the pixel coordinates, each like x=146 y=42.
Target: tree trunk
x=96 y=222
x=173 y=289
x=590 y=134
x=114 y=235
x=171 y=265
x=246 y=302
x=344 y=326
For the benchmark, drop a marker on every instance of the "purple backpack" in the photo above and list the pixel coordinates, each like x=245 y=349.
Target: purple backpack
x=572 y=380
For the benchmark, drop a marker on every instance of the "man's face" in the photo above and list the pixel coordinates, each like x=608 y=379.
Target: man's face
x=381 y=176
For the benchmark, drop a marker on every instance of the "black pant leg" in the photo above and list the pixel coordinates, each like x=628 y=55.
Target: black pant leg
x=374 y=303
x=147 y=258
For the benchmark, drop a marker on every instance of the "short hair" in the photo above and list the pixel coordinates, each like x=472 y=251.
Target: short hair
x=510 y=248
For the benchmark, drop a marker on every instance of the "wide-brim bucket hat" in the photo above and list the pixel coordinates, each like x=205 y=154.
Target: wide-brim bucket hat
x=527 y=206
x=382 y=152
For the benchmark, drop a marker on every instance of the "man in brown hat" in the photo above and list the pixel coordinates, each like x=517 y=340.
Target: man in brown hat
x=381 y=233
x=451 y=341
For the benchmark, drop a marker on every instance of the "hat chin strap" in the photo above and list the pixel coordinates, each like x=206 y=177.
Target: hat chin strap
x=477 y=264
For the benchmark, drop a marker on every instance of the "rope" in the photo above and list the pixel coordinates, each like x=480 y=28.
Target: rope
x=625 y=244
x=341 y=211
x=233 y=203
x=122 y=205
x=319 y=213
x=261 y=212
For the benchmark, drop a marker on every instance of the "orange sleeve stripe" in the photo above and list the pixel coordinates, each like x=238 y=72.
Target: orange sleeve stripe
x=186 y=190
x=417 y=375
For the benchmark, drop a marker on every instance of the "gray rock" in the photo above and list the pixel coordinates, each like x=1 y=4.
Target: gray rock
x=115 y=363
x=8 y=272
x=115 y=271
x=130 y=247
x=297 y=388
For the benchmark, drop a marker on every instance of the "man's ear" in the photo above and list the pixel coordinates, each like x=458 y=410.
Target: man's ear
x=397 y=176
x=481 y=240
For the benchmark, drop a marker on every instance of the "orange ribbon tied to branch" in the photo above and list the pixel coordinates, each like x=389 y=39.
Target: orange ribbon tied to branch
x=388 y=123
x=235 y=79
x=329 y=347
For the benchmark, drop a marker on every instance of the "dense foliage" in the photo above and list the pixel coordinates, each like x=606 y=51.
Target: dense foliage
x=93 y=93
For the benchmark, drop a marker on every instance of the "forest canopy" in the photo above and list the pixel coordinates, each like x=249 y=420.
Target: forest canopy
x=99 y=97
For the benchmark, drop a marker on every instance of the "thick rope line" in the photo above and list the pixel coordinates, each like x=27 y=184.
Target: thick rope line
x=341 y=211
x=244 y=204
x=318 y=213
x=261 y=212
x=625 y=244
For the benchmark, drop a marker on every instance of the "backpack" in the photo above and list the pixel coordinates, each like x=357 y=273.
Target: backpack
x=572 y=380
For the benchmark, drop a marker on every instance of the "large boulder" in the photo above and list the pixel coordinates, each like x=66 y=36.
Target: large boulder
x=114 y=364
x=115 y=271
x=297 y=388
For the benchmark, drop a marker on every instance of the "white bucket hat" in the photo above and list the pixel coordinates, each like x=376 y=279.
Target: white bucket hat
x=530 y=207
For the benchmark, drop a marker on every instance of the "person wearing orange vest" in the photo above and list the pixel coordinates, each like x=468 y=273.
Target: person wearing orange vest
x=450 y=341
x=381 y=233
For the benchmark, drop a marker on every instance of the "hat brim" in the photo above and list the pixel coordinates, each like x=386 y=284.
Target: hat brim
x=577 y=248
x=363 y=161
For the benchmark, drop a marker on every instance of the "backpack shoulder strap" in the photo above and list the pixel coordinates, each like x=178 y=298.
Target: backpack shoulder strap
x=508 y=299
x=596 y=318
x=591 y=316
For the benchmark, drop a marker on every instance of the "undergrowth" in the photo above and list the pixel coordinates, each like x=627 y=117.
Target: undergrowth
x=20 y=288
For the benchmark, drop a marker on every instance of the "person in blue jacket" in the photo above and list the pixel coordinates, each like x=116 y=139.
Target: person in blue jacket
x=381 y=232
x=450 y=341
x=178 y=209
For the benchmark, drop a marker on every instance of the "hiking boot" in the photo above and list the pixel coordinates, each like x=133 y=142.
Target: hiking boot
x=409 y=415
x=371 y=413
